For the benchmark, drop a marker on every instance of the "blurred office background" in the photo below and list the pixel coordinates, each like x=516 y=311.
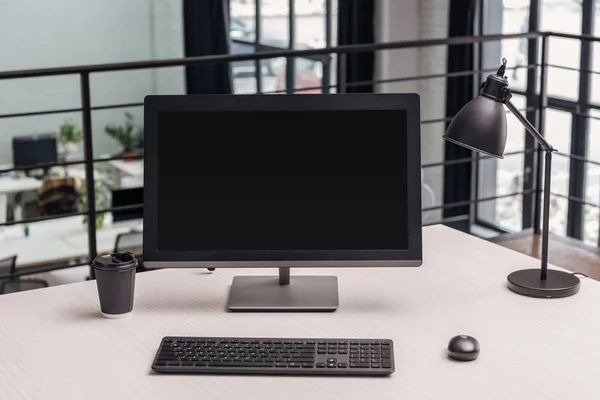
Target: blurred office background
x=44 y=232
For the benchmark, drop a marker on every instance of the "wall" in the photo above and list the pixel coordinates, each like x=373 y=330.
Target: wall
x=412 y=20
x=62 y=33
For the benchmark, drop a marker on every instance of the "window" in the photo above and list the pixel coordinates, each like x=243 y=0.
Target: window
x=570 y=119
x=282 y=24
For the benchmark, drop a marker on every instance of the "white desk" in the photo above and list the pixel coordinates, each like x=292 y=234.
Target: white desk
x=10 y=185
x=16 y=185
x=128 y=173
x=130 y=168
x=55 y=344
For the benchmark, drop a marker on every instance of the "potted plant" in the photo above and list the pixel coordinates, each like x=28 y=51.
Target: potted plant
x=127 y=135
x=102 y=197
x=69 y=136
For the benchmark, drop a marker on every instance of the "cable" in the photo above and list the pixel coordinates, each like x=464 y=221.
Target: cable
x=580 y=273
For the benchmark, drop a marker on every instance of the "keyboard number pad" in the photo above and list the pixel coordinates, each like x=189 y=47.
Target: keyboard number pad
x=370 y=354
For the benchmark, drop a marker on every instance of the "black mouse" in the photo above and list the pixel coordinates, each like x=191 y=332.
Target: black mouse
x=463 y=348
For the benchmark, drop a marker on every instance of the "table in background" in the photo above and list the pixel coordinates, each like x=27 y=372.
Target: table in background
x=132 y=169
x=10 y=185
x=55 y=344
x=59 y=240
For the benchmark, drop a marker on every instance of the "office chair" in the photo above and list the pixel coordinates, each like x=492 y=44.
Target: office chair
x=13 y=284
x=58 y=195
x=129 y=241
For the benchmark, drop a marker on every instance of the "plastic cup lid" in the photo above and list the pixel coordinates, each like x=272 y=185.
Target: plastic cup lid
x=118 y=261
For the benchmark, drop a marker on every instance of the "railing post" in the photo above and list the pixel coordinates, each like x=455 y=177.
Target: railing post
x=342 y=77
x=543 y=103
x=89 y=167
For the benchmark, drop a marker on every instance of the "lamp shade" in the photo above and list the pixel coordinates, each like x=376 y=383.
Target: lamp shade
x=480 y=126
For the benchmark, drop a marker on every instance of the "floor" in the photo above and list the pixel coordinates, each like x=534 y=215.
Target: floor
x=561 y=253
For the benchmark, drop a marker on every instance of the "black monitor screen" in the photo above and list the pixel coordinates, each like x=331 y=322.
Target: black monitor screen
x=297 y=180
x=33 y=150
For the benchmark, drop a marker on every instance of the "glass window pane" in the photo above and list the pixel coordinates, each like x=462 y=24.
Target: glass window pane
x=562 y=16
x=274 y=24
x=558 y=215
x=515 y=15
x=241 y=30
x=563 y=83
x=592 y=196
x=309 y=76
x=508 y=172
x=592 y=181
x=558 y=132
x=515 y=52
x=515 y=140
x=432 y=151
x=431 y=193
x=500 y=177
x=509 y=16
x=508 y=211
x=595 y=92
x=309 y=23
x=590 y=226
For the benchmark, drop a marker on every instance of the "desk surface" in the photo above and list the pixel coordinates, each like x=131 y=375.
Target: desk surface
x=55 y=345
x=21 y=184
x=131 y=167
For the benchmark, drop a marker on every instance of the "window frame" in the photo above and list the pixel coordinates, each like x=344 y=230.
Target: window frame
x=290 y=64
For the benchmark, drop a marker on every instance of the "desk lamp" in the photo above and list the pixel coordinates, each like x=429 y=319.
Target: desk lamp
x=481 y=126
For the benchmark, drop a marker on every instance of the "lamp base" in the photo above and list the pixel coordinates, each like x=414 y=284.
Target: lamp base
x=557 y=284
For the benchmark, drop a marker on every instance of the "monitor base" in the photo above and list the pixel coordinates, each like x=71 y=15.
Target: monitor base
x=271 y=293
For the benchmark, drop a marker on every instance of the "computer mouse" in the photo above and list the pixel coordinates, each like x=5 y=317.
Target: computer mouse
x=463 y=348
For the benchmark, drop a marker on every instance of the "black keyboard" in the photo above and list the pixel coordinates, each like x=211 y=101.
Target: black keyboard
x=210 y=355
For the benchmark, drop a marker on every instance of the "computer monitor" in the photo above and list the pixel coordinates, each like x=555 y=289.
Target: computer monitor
x=32 y=150
x=127 y=197
x=282 y=181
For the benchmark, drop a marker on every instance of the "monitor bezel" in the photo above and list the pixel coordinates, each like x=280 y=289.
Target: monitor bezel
x=155 y=104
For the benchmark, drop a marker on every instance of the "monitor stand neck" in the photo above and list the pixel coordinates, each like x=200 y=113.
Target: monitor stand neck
x=283 y=293
x=284 y=276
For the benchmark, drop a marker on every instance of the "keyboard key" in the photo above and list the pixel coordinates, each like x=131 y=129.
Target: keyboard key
x=321 y=365
x=308 y=365
x=387 y=363
x=343 y=365
x=301 y=360
x=359 y=365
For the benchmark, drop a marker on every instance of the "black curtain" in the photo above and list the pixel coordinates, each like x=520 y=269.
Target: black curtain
x=356 y=26
x=206 y=32
x=459 y=91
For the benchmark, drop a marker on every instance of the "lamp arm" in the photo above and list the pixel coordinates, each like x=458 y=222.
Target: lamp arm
x=530 y=128
x=548 y=149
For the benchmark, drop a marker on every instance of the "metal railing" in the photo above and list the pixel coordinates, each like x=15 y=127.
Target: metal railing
x=341 y=86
